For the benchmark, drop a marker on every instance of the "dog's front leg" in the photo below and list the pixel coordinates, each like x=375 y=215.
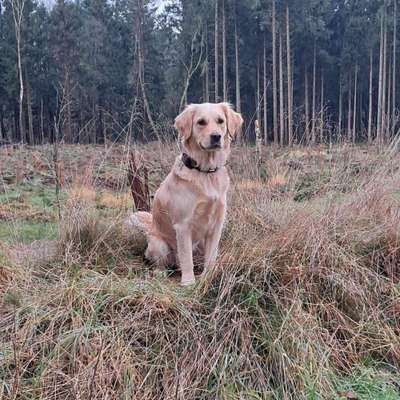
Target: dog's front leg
x=185 y=253
x=213 y=238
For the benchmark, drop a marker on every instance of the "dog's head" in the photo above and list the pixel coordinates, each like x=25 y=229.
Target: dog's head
x=207 y=126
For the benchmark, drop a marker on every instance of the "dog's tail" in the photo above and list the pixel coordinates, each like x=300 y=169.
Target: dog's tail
x=140 y=221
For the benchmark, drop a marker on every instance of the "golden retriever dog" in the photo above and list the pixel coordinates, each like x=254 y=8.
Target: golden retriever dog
x=190 y=205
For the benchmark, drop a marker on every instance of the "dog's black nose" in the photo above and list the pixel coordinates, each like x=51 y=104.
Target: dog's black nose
x=215 y=138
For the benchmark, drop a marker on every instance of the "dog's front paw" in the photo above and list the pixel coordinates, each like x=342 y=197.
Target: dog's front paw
x=188 y=282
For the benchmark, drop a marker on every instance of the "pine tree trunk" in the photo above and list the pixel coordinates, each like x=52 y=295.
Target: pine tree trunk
x=80 y=134
x=289 y=80
x=306 y=107
x=67 y=103
x=389 y=99
x=274 y=75
x=216 y=53
x=322 y=122
x=258 y=141
x=29 y=109
x=355 y=105
x=340 y=118
x=3 y=135
x=379 y=113
x=224 y=59
x=207 y=66
x=384 y=81
x=361 y=125
x=237 y=70
x=258 y=111
x=21 y=101
x=17 y=11
x=281 y=94
x=314 y=96
x=95 y=119
x=41 y=122
x=265 y=119
x=349 y=112
x=50 y=125
x=16 y=137
x=370 y=96
x=203 y=82
x=102 y=123
x=394 y=69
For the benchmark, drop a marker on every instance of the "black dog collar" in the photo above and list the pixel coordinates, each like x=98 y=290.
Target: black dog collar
x=190 y=163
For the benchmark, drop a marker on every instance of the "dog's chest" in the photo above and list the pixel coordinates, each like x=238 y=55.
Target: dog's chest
x=207 y=208
x=208 y=212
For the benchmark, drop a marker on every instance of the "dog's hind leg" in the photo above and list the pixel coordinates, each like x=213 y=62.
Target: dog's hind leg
x=158 y=253
x=140 y=221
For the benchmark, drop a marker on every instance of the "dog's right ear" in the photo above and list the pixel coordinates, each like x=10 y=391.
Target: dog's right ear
x=184 y=121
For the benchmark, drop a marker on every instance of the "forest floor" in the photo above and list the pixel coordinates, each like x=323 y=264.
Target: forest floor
x=303 y=304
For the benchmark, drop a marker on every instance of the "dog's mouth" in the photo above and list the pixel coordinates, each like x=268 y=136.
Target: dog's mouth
x=211 y=147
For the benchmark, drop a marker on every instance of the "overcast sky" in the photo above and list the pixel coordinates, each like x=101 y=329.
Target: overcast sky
x=159 y=3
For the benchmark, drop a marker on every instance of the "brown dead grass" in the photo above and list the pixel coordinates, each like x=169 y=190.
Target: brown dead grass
x=82 y=192
x=119 y=201
x=306 y=288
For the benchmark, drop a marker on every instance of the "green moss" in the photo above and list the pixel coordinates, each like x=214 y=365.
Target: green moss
x=10 y=196
x=22 y=231
x=370 y=384
x=305 y=188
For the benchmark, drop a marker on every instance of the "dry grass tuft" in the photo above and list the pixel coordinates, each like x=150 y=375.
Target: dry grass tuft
x=82 y=192
x=119 y=201
x=88 y=240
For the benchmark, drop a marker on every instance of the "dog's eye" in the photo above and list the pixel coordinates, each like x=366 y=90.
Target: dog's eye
x=202 y=122
x=220 y=121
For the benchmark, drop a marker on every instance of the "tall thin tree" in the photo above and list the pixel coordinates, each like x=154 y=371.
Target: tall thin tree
x=29 y=109
x=394 y=68
x=349 y=132
x=281 y=93
x=289 y=79
x=237 y=64
x=389 y=98
x=265 y=104
x=380 y=82
x=370 y=96
x=322 y=117
x=17 y=7
x=314 y=88
x=384 y=78
x=274 y=76
x=306 y=107
x=206 y=66
x=216 y=52
x=340 y=117
x=258 y=102
x=355 y=104
x=224 y=55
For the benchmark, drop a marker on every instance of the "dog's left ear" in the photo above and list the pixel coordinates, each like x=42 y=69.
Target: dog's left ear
x=234 y=119
x=184 y=122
